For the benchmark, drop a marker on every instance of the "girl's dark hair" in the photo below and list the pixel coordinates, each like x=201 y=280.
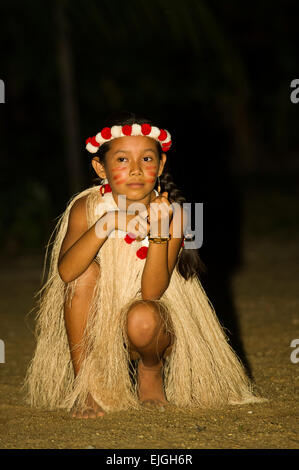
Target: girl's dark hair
x=189 y=263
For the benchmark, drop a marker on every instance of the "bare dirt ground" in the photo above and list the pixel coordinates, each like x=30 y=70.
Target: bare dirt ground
x=267 y=302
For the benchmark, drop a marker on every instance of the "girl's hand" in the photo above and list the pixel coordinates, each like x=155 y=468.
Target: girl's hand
x=136 y=225
x=160 y=214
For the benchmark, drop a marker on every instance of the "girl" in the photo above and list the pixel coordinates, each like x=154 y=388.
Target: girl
x=123 y=320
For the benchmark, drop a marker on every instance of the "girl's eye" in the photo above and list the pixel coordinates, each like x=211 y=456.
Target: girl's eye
x=148 y=159
x=121 y=159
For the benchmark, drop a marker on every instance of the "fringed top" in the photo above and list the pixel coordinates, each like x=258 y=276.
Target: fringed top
x=201 y=371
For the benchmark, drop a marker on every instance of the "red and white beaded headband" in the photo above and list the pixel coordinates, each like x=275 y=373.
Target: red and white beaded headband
x=109 y=133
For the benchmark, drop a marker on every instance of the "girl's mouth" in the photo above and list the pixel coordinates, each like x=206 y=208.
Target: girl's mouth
x=135 y=185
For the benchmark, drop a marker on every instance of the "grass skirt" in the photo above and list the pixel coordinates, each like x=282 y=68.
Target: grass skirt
x=201 y=370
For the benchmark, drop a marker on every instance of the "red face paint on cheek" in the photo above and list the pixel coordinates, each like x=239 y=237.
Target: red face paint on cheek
x=119 y=178
x=152 y=167
x=120 y=181
x=150 y=180
x=118 y=168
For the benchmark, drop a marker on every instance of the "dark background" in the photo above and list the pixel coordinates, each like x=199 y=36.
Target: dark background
x=216 y=74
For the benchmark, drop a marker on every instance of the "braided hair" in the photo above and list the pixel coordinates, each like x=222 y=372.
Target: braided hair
x=189 y=263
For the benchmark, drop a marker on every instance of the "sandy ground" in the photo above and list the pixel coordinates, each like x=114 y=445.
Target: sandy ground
x=266 y=299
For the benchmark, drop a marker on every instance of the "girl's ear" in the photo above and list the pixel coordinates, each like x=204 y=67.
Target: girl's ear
x=162 y=163
x=98 y=167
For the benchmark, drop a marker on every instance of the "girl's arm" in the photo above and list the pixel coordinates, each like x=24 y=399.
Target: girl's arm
x=160 y=263
x=80 y=244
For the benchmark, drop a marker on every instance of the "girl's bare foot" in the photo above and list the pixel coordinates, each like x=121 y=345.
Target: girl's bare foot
x=91 y=410
x=150 y=384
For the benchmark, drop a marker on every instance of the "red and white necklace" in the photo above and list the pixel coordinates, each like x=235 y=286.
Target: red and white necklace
x=108 y=204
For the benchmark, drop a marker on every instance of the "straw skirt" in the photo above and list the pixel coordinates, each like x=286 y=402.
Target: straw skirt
x=200 y=369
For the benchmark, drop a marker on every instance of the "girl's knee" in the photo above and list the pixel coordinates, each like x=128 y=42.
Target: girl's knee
x=143 y=318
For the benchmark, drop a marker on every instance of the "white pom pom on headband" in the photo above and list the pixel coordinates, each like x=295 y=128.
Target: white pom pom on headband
x=160 y=135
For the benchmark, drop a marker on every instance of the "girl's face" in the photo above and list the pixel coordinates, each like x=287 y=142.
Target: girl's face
x=132 y=166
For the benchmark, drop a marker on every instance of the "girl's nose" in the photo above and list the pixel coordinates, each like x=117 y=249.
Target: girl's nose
x=135 y=169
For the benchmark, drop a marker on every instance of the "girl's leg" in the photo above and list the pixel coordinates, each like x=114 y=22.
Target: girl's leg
x=75 y=316
x=147 y=335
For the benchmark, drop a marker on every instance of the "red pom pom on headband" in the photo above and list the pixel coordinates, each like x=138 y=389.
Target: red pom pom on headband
x=127 y=130
x=146 y=129
x=106 y=133
x=160 y=135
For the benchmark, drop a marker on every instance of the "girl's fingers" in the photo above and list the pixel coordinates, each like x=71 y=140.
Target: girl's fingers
x=144 y=215
x=160 y=218
x=158 y=213
x=161 y=196
x=163 y=208
x=140 y=226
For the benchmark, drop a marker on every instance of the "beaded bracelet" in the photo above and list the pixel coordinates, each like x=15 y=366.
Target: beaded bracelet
x=158 y=240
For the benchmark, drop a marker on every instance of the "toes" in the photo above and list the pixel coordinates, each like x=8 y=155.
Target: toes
x=148 y=402
x=154 y=403
x=75 y=414
x=86 y=413
x=89 y=413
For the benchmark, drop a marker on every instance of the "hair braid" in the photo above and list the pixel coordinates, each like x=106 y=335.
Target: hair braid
x=189 y=262
x=167 y=184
